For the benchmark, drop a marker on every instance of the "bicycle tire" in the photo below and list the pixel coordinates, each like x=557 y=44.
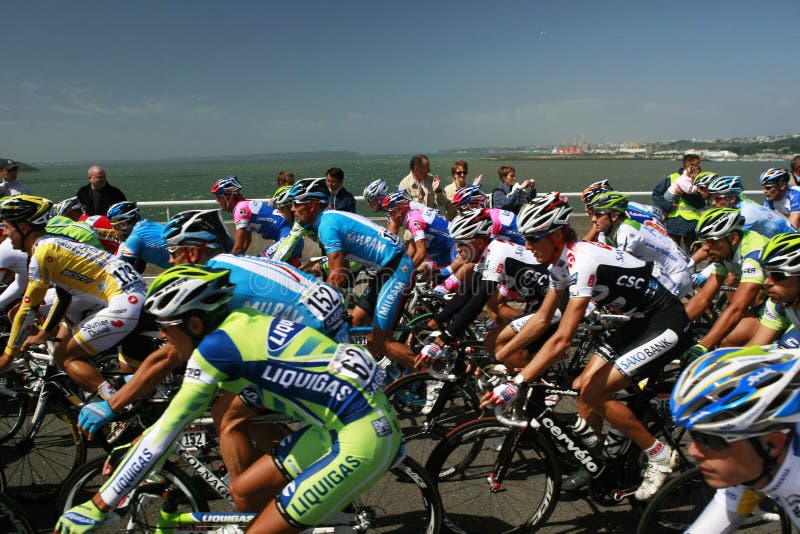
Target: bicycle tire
x=37 y=467
x=528 y=494
x=675 y=507
x=139 y=510
x=12 y=520
x=405 y=499
x=408 y=395
x=14 y=400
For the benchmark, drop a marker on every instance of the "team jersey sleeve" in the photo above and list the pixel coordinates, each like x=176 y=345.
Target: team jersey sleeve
x=331 y=238
x=582 y=278
x=773 y=317
x=242 y=214
x=726 y=511
x=794 y=199
x=752 y=272
x=38 y=282
x=416 y=225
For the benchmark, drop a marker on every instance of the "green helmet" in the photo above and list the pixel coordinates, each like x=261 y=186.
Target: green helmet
x=281 y=197
x=717 y=223
x=185 y=288
x=609 y=202
x=782 y=253
x=705 y=178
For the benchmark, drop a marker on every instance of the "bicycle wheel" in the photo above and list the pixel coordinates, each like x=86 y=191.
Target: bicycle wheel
x=36 y=465
x=683 y=498
x=13 y=405
x=403 y=500
x=463 y=462
x=408 y=395
x=139 y=511
x=12 y=519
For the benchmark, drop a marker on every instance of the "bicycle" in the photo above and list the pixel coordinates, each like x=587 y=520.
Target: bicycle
x=12 y=519
x=684 y=497
x=175 y=497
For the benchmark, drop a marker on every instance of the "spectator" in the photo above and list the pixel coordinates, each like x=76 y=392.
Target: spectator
x=683 y=210
x=423 y=187
x=11 y=186
x=99 y=195
x=459 y=172
x=341 y=198
x=794 y=167
x=285 y=178
x=510 y=195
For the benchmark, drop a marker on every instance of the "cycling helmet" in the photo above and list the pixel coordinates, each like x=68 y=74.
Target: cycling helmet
x=186 y=288
x=608 y=202
x=200 y=226
x=310 y=189
x=471 y=224
x=726 y=185
x=544 y=214
x=704 y=178
x=67 y=205
x=739 y=393
x=227 y=185
x=394 y=198
x=127 y=212
x=281 y=197
x=375 y=191
x=26 y=209
x=595 y=189
x=717 y=223
x=469 y=196
x=774 y=177
x=782 y=253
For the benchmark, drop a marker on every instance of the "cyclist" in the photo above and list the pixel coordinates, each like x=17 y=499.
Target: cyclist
x=504 y=223
x=75 y=269
x=702 y=181
x=432 y=244
x=727 y=192
x=13 y=263
x=346 y=236
x=268 y=286
x=615 y=228
x=650 y=216
x=593 y=271
x=374 y=193
x=352 y=437
x=780 y=196
x=141 y=238
x=740 y=407
x=251 y=216
x=733 y=250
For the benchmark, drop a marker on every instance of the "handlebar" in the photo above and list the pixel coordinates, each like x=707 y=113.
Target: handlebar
x=508 y=421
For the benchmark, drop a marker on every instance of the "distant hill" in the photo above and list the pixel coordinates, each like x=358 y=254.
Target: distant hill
x=743 y=147
x=23 y=167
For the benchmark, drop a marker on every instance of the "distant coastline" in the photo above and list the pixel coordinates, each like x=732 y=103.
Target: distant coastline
x=534 y=157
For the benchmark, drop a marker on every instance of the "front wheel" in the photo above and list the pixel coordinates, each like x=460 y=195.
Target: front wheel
x=493 y=478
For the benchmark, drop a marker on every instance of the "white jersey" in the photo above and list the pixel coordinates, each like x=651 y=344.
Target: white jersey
x=731 y=506
x=14 y=261
x=648 y=244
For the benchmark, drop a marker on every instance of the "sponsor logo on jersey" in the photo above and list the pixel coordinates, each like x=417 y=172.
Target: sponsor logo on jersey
x=77 y=276
x=570 y=259
x=116 y=323
x=382 y=427
x=281 y=332
x=631 y=281
x=312 y=495
x=590 y=282
x=50 y=259
x=133 y=299
x=573 y=279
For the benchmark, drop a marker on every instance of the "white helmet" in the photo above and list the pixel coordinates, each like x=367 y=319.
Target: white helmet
x=544 y=214
x=471 y=224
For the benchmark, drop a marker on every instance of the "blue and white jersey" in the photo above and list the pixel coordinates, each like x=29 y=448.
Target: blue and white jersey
x=427 y=225
x=278 y=289
x=763 y=220
x=360 y=239
x=643 y=212
x=258 y=217
x=146 y=244
x=786 y=205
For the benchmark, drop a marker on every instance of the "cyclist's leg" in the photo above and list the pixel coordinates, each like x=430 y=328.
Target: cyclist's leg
x=388 y=308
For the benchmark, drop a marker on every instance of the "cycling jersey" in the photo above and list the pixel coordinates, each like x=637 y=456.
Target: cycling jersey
x=731 y=506
x=105 y=232
x=627 y=285
x=256 y=216
x=145 y=245
x=504 y=225
x=763 y=220
x=786 y=205
x=77 y=231
x=282 y=366
x=649 y=244
x=285 y=292
x=745 y=263
x=515 y=268
x=646 y=215
x=427 y=225
x=16 y=262
x=89 y=273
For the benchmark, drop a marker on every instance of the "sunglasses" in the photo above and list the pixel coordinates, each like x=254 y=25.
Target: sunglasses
x=461 y=173
x=535 y=238
x=709 y=441
x=164 y=324
x=173 y=250
x=770 y=187
x=778 y=276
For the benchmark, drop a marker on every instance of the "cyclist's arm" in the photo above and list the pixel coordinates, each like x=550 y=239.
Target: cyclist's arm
x=702 y=299
x=726 y=511
x=23 y=320
x=535 y=327
x=794 y=219
x=242 y=241
x=764 y=336
x=559 y=341
x=420 y=252
x=150 y=373
x=13 y=291
x=470 y=309
x=285 y=248
x=57 y=311
x=732 y=313
x=338 y=271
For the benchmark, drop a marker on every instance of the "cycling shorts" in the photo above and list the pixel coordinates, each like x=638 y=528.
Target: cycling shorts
x=386 y=291
x=111 y=324
x=443 y=258
x=328 y=469
x=140 y=343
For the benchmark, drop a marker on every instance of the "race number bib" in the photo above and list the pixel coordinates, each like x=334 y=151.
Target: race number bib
x=324 y=303
x=356 y=363
x=125 y=275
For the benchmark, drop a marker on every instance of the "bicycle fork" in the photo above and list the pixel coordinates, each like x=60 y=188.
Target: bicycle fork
x=506 y=453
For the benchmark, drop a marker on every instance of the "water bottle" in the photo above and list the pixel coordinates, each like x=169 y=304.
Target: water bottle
x=615 y=444
x=584 y=432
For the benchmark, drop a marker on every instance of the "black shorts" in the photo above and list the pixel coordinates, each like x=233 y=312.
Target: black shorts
x=375 y=282
x=642 y=346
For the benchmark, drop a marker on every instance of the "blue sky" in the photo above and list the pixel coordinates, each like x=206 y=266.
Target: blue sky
x=103 y=80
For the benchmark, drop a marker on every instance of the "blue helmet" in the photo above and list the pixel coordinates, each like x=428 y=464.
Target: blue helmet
x=726 y=185
x=375 y=191
x=127 y=212
x=774 y=177
x=310 y=189
x=739 y=393
x=227 y=185
x=470 y=196
x=196 y=226
x=394 y=198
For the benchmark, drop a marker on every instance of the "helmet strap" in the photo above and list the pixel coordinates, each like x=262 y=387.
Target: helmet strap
x=769 y=466
x=558 y=244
